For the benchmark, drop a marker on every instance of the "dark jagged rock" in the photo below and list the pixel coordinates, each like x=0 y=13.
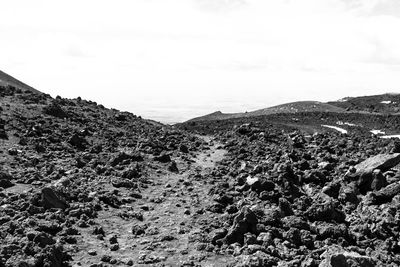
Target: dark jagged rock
x=382 y=162
x=173 y=167
x=326 y=211
x=78 y=141
x=336 y=256
x=163 y=158
x=386 y=194
x=52 y=199
x=245 y=221
x=3 y=133
x=55 y=109
x=5 y=180
x=125 y=158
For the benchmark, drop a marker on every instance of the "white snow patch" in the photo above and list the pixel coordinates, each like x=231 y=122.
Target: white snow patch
x=345 y=123
x=390 y=136
x=386 y=102
x=250 y=180
x=377 y=132
x=336 y=128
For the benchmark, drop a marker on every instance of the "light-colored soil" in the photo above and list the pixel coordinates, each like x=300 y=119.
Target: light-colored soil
x=173 y=211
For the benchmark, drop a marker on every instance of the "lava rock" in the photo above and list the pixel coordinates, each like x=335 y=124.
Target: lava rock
x=382 y=162
x=163 y=158
x=386 y=194
x=173 y=167
x=336 y=256
x=244 y=222
x=326 y=211
x=77 y=141
x=52 y=199
x=54 y=109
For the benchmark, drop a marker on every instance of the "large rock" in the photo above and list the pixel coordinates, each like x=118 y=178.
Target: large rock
x=258 y=259
x=366 y=173
x=78 y=141
x=54 y=109
x=336 y=256
x=326 y=211
x=124 y=158
x=53 y=199
x=386 y=194
x=5 y=180
x=382 y=162
x=259 y=184
x=3 y=134
x=244 y=222
x=163 y=158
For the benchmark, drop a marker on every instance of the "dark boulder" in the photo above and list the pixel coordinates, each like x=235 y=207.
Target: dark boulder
x=382 y=162
x=244 y=222
x=386 y=194
x=43 y=239
x=78 y=141
x=336 y=256
x=326 y=211
x=5 y=180
x=296 y=222
x=173 y=167
x=163 y=158
x=3 y=133
x=55 y=109
x=183 y=148
x=50 y=198
x=124 y=158
x=217 y=234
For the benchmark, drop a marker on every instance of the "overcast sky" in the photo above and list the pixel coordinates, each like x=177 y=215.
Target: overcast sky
x=171 y=60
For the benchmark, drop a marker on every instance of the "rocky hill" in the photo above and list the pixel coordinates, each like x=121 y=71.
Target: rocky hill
x=83 y=185
x=294 y=107
x=386 y=103
x=76 y=181
x=376 y=104
x=8 y=80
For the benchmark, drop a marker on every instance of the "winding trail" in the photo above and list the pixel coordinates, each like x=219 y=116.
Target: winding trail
x=173 y=210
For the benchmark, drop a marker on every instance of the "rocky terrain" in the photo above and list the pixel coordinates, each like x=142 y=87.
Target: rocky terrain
x=294 y=199
x=386 y=103
x=83 y=185
x=75 y=175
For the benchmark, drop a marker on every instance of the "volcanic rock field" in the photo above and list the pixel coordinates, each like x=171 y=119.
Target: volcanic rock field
x=84 y=185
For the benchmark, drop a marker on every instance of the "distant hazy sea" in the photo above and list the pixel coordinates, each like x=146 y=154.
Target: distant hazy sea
x=171 y=113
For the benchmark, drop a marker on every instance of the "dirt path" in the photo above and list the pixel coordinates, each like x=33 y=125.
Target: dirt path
x=173 y=211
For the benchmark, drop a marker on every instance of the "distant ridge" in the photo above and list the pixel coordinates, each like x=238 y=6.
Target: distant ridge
x=6 y=79
x=384 y=103
x=293 y=107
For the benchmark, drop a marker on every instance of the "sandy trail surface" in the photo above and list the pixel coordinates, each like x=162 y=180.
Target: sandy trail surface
x=169 y=215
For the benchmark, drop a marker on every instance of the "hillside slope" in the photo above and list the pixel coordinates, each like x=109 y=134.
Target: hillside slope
x=375 y=104
x=8 y=80
x=293 y=107
x=385 y=103
x=74 y=175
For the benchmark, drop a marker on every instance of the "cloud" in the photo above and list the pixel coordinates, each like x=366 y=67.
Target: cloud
x=220 y=5
x=387 y=7
x=75 y=51
x=131 y=53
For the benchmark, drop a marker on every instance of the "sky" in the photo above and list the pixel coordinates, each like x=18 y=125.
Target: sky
x=172 y=60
